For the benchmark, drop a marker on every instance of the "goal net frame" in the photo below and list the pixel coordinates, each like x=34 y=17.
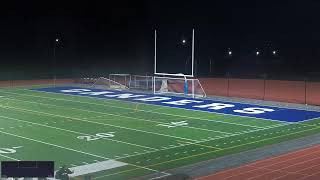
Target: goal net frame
x=141 y=82
x=196 y=90
x=123 y=79
x=100 y=83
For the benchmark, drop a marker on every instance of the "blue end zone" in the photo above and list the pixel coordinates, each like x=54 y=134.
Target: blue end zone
x=206 y=105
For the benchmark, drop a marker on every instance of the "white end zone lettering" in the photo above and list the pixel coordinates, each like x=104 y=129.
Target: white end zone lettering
x=125 y=96
x=153 y=99
x=254 y=110
x=75 y=90
x=182 y=102
x=215 y=106
x=204 y=105
x=97 y=93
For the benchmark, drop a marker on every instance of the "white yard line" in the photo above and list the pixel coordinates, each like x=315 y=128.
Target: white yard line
x=76 y=132
x=54 y=145
x=104 y=124
x=74 y=150
x=196 y=142
x=118 y=115
x=150 y=111
x=9 y=157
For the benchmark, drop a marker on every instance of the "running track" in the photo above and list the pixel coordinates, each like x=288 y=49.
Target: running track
x=298 y=165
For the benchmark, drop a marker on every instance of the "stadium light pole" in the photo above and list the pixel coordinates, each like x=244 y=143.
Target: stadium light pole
x=56 y=42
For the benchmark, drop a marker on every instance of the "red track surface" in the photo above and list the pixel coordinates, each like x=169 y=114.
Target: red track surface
x=299 y=165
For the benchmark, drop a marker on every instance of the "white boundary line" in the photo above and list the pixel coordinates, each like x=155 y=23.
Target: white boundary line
x=135 y=102
x=76 y=132
x=118 y=115
x=94 y=122
x=9 y=157
x=224 y=122
x=54 y=145
x=70 y=149
x=186 y=144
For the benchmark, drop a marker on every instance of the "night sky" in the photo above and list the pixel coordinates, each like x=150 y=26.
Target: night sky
x=101 y=37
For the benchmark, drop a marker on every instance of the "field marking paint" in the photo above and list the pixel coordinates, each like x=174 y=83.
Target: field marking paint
x=9 y=157
x=119 y=107
x=188 y=144
x=54 y=145
x=74 y=150
x=232 y=147
x=248 y=109
x=221 y=114
x=201 y=145
x=174 y=124
x=105 y=124
x=209 y=152
x=75 y=132
x=279 y=125
x=274 y=126
x=118 y=115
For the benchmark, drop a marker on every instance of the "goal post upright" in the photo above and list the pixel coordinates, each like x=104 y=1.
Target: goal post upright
x=192 y=54
x=155 y=51
x=190 y=85
x=178 y=73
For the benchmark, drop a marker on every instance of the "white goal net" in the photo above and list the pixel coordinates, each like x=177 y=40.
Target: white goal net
x=144 y=83
x=100 y=83
x=177 y=85
x=123 y=79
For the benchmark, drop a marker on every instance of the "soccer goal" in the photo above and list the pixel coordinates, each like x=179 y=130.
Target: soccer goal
x=100 y=83
x=144 y=83
x=178 y=86
x=123 y=79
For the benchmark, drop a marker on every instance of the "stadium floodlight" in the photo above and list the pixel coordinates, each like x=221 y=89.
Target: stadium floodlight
x=183 y=41
x=257 y=53
x=57 y=40
x=230 y=52
x=274 y=52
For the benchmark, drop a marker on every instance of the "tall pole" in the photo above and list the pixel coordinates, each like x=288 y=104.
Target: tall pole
x=155 y=51
x=54 y=61
x=192 y=53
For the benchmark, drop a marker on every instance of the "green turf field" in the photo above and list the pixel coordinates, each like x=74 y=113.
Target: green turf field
x=150 y=139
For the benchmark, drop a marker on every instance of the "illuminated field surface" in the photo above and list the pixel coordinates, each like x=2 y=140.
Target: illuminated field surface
x=122 y=139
